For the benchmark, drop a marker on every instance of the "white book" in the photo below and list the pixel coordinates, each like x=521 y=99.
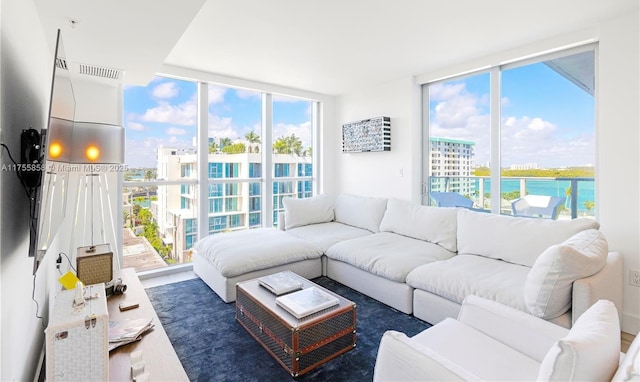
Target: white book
x=280 y=283
x=307 y=301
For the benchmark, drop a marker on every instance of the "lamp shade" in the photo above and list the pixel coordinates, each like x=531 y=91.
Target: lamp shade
x=85 y=142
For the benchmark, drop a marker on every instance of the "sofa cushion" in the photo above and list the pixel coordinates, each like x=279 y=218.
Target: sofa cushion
x=305 y=211
x=239 y=252
x=463 y=275
x=324 y=235
x=461 y=343
x=433 y=224
x=547 y=291
x=360 y=211
x=591 y=350
x=387 y=255
x=517 y=240
x=629 y=368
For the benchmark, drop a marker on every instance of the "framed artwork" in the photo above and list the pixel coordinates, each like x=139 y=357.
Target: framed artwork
x=373 y=134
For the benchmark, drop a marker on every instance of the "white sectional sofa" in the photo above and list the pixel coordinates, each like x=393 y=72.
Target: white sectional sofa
x=424 y=260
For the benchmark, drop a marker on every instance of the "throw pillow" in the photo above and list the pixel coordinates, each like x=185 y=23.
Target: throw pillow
x=547 y=290
x=629 y=368
x=436 y=225
x=591 y=350
x=360 y=211
x=301 y=212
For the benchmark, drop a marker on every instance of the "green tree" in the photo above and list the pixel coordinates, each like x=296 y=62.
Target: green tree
x=253 y=139
x=145 y=216
x=213 y=147
x=150 y=175
x=125 y=218
x=225 y=142
x=288 y=145
x=235 y=148
x=589 y=205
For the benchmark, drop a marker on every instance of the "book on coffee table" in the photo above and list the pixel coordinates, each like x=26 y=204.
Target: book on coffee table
x=307 y=301
x=281 y=282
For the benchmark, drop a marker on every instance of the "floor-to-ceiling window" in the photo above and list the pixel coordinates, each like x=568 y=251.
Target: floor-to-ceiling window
x=162 y=186
x=519 y=134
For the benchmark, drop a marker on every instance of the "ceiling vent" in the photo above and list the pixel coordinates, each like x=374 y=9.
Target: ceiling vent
x=61 y=63
x=97 y=71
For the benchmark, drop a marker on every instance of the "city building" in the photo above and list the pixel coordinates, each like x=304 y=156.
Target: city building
x=234 y=200
x=451 y=165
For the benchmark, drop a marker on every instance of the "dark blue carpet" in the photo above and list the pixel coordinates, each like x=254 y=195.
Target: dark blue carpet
x=212 y=346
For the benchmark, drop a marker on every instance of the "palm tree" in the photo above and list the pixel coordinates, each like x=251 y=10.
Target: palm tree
x=288 y=145
x=213 y=147
x=225 y=142
x=149 y=175
x=253 y=139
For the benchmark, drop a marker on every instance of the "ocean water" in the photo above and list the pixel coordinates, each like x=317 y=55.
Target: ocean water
x=586 y=190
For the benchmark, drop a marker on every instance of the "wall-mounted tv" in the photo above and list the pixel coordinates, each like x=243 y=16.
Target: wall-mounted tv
x=49 y=204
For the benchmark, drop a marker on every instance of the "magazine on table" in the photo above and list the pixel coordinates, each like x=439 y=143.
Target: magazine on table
x=280 y=283
x=126 y=331
x=307 y=301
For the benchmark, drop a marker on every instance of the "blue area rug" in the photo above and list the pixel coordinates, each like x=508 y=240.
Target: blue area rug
x=212 y=346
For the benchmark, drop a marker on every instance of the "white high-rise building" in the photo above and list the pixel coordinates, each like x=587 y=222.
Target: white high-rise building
x=451 y=166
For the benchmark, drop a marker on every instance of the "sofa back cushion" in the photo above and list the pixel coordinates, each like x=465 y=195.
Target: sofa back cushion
x=547 y=290
x=436 y=225
x=314 y=210
x=591 y=350
x=517 y=240
x=360 y=211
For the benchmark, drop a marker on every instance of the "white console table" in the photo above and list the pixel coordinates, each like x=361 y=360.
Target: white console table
x=161 y=361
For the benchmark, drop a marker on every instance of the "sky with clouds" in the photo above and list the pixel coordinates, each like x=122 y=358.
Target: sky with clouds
x=165 y=113
x=545 y=118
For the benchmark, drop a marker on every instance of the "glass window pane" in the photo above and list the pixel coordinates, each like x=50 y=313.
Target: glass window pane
x=159 y=220
x=548 y=137
x=459 y=138
x=292 y=148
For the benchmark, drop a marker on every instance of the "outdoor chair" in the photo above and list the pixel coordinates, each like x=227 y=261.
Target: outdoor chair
x=539 y=206
x=450 y=199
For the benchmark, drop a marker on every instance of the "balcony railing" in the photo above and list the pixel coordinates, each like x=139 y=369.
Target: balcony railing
x=579 y=192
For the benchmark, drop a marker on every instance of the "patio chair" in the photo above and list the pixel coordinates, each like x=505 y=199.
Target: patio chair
x=450 y=199
x=539 y=206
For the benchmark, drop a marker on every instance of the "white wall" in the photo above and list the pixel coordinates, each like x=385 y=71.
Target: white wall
x=27 y=62
x=387 y=173
x=618 y=159
x=617 y=128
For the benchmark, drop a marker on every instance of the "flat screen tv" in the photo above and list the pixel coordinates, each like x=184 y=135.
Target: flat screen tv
x=49 y=199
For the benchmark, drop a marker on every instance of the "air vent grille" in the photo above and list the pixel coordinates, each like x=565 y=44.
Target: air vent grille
x=96 y=71
x=61 y=63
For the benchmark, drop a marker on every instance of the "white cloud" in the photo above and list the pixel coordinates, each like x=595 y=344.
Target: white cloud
x=183 y=114
x=302 y=131
x=216 y=94
x=459 y=115
x=175 y=131
x=135 y=126
x=165 y=90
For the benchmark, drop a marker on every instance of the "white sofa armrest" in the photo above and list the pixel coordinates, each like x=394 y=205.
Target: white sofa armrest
x=604 y=285
x=281 y=222
x=519 y=330
x=401 y=359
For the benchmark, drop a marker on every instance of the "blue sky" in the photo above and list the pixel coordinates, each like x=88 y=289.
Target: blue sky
x=546 y=119
x=165 y=113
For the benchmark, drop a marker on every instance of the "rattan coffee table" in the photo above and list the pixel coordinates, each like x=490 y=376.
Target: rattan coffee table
x=299 y=345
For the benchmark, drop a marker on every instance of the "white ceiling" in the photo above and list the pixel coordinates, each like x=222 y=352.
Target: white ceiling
x=329 y=46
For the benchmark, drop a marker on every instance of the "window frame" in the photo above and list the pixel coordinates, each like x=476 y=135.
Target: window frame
x=496 y=115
